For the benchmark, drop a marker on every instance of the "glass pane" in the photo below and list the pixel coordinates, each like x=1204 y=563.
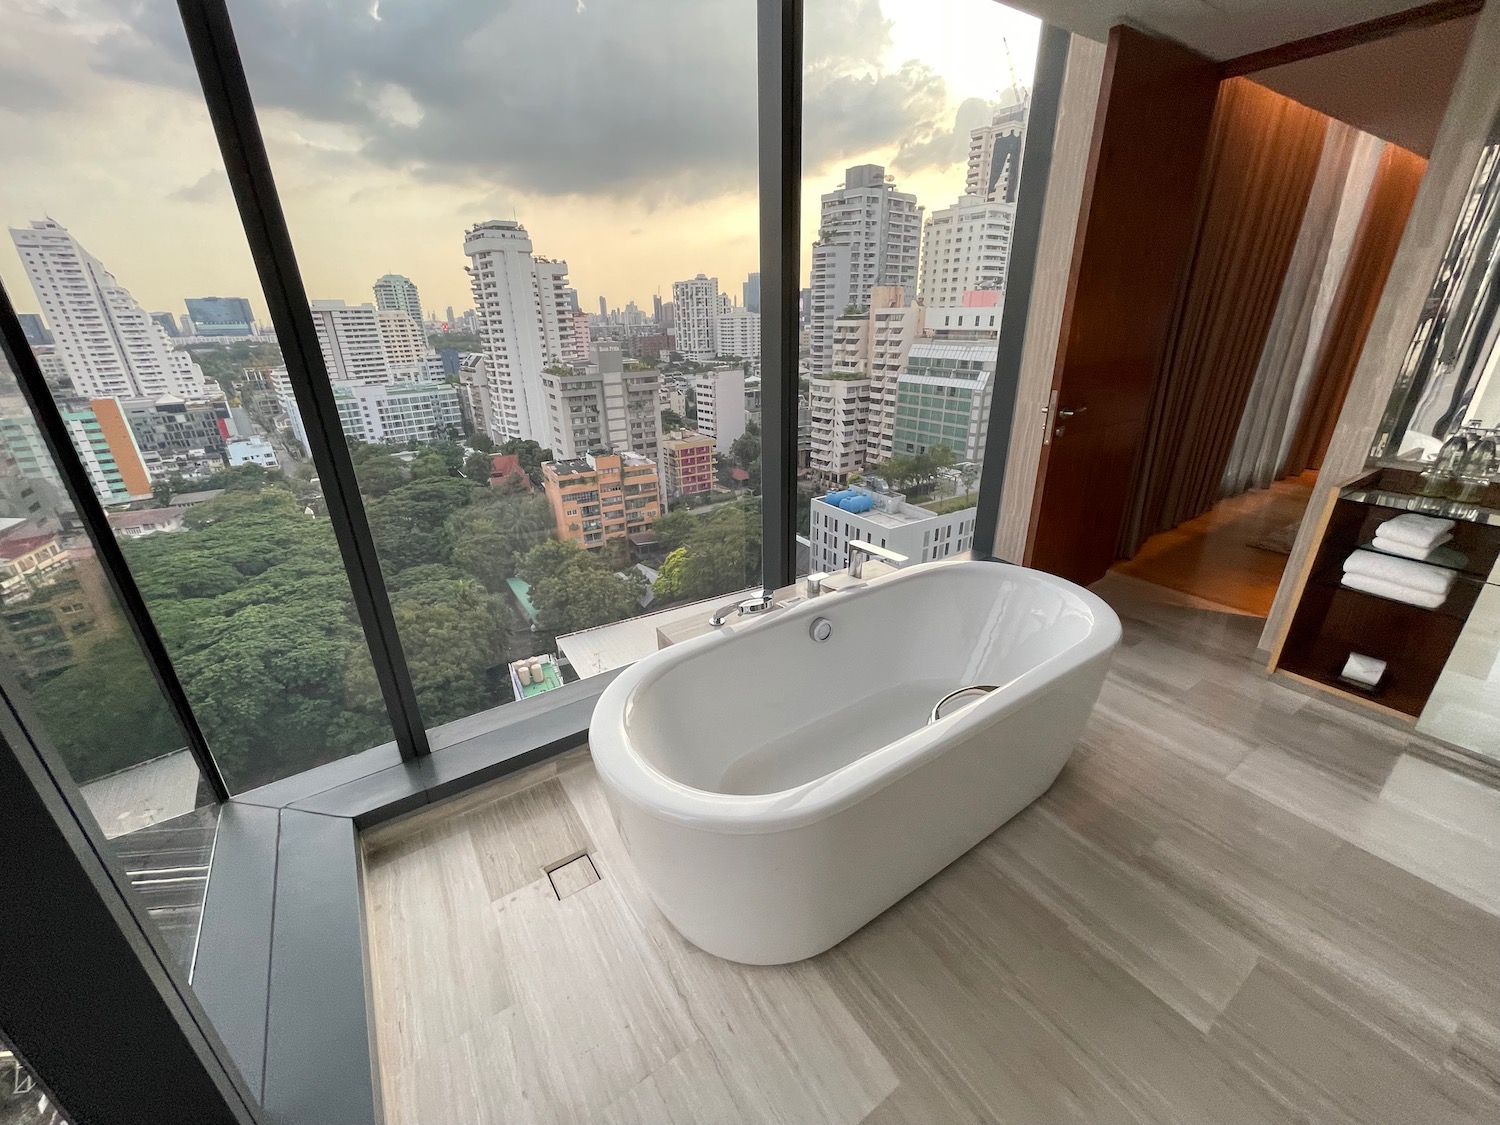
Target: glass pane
x=915 y=116
x=118 y=206
x=529 y=234
x=70 y=647
x=22 y=1099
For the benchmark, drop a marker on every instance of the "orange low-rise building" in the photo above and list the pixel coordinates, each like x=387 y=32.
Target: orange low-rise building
x=602 y=497
x=687 y=461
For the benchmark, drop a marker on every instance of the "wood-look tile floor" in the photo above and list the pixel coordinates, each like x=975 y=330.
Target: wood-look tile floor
x=1237 y=904
x=1211 y=557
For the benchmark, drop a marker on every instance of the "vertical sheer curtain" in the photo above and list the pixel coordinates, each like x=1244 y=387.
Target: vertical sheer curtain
x=1264 y=156
x=1290 y=358
x=1381 y=224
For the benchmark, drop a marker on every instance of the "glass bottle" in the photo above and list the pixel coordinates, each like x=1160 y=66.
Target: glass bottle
x=1443 y=478
x=1480 y=464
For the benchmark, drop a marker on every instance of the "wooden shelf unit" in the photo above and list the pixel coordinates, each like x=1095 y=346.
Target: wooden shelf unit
x=1332 y=620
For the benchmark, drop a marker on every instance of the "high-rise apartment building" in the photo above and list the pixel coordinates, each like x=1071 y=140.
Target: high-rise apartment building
x=408 y=355
x=392 y=413
x=525 y=318
x=839 y=417
x=943 y=398
x=393 y=291
x=220 y=316
x=576 y=347
x=874 y=344
x=107 y=342
x=557 y=302
x=994 y=172
x=687 y=463
x=363 y=344
x=868 y=235
x=35 y=329
x=719 y=396
x=750 y=292
x=603 y=307
x=107 y=449
x=602 y=405
x=737 y=333
x=697 y=305
x=473 y=392
x=966 y=247
x=349 y=336
x=602 y=497
x=178 y=436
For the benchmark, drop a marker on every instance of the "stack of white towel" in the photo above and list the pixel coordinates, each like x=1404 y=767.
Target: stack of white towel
x=1401 y=580
x=1413 y=536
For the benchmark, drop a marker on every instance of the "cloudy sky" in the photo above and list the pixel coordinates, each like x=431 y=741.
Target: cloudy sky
x=620 y=132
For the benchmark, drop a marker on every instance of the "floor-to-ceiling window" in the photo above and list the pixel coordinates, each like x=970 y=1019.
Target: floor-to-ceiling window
x=915 y=122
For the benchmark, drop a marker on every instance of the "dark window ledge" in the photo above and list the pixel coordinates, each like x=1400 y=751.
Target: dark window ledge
x=281 y=965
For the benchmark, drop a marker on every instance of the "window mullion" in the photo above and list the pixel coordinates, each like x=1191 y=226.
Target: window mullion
x=227 y=94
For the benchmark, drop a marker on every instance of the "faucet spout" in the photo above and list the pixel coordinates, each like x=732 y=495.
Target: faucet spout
x=762 y=602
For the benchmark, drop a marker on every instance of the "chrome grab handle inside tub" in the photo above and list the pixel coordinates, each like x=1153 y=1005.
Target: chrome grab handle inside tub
x=972 y=689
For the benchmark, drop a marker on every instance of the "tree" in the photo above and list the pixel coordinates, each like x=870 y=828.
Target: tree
x=483 y=443
x=477 y=468
x=438 y=459
x=490 y=536
x=668 y=584
x=968 y=476
x=571 y=591
x=531 y=455
x=410 y=525
x=671 y=420
x=454 y=633
x=721 y=555
x=744 y=451
x=106 y=713
x=673 y=529
x=378 y=472
x=458 y=341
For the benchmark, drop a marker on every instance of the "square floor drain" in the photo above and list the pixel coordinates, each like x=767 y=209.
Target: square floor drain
x=572 y=875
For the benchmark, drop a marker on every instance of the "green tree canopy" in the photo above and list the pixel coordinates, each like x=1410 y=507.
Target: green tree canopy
x=571 y=591
x=720 y=555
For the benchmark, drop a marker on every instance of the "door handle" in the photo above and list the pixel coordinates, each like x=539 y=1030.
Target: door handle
x=1069 y=413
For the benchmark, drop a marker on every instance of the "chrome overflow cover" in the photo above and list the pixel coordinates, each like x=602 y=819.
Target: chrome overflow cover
x=821 y=629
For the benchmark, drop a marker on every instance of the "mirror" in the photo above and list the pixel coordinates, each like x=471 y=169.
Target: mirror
x=1450 y=379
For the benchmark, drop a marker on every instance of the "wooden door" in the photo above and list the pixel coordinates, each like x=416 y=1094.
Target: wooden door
x=1135 y=232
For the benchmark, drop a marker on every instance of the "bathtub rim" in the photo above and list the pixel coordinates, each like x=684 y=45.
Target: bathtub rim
x=630 y=776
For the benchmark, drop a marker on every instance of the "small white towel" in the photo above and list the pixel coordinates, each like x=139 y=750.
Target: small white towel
x=1363 y=669
x=1400 y=572
x=1406 y=550
x=1416 y=529
x=1395 y=593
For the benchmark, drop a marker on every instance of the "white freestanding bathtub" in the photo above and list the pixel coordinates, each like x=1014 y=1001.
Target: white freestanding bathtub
x=776 y=793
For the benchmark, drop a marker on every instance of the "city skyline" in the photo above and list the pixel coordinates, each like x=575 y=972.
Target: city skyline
x=121 y=190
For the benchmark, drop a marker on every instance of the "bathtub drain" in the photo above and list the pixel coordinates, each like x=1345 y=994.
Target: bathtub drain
x=571 y=875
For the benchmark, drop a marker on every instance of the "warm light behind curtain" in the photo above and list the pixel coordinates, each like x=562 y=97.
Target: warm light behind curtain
x=1263 y=156
x=1289 y=360
x=1389 y=203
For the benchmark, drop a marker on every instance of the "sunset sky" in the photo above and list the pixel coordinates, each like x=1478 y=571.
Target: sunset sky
x=622 y=134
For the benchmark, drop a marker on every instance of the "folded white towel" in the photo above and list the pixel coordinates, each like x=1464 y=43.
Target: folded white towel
x=1394 y=592
x=1363 y=669
x=1400 y=572
x=1406 y=550
x=1416 y=529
